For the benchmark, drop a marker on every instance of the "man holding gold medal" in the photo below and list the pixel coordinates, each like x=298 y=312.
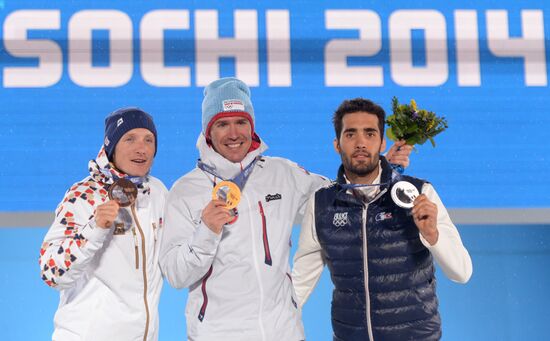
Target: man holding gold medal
x=228 y=227
x=378 y=232
x=101 y=251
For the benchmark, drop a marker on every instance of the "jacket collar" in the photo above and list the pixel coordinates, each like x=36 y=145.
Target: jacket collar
x=221 y=165
x=387 y=178
x=102 y=171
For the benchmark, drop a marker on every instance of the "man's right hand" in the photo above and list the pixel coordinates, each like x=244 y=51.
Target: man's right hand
x=105 y=214
x=215 y=215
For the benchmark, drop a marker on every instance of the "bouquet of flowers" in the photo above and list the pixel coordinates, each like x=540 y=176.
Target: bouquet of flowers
x=412 y=124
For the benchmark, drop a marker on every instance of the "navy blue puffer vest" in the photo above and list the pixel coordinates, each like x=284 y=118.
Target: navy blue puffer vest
x=384 y=287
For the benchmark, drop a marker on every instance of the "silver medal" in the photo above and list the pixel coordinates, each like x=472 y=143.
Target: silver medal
x=403 y=194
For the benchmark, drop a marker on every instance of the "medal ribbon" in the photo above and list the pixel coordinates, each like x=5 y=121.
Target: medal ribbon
x=354 y=186
x=239 y=180
x=394 y=177
x=137 y=180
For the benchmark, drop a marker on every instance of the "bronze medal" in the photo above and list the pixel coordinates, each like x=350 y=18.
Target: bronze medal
x=124 y=192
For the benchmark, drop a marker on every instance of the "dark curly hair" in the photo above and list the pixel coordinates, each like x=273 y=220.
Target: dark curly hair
x=356 y=105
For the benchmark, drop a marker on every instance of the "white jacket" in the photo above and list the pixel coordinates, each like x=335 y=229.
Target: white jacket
x=102 y=274
x=239 y=281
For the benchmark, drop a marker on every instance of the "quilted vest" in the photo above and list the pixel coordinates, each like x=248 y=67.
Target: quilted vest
x=383 y=276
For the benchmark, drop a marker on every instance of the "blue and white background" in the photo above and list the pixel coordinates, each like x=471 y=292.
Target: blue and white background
x=64 y=65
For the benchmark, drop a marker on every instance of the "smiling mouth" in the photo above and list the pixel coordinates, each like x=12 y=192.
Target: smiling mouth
x=233 y=145
x=139 y=161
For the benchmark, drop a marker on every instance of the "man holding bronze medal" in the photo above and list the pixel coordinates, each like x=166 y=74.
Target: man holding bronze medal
x=378 y=232
x=101 y=251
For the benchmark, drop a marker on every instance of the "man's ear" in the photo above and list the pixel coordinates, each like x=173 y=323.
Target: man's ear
x=383 y=145
x=336 y=145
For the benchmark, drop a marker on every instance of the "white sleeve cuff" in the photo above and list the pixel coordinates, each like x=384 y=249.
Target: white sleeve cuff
x=95 y=234
x=206 y=239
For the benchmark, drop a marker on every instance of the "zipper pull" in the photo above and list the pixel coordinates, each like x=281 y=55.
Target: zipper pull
x=136 y=246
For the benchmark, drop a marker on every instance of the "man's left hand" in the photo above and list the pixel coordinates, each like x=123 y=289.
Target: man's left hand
x=424 y=214
x=399 y=153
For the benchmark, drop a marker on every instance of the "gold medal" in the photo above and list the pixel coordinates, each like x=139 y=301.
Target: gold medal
x=229 y=192
x=124 y=192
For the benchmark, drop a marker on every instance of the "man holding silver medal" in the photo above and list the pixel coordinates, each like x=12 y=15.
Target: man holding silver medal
x=228 y=224
x=378 y=236
x=101 y=251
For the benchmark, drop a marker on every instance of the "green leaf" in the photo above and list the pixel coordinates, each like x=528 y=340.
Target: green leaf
x=394 y=104
x=413 y=140
x=390 y=134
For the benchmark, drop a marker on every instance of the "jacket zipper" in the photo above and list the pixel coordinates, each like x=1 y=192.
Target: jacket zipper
x=144 y=270
x=204 y=295
x=255 y=259
x=366 y=272
x=366 y=263
x=267 y=259
x=136 y=253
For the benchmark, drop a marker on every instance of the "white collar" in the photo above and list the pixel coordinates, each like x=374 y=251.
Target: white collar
x=367 y=193
x=221 y=165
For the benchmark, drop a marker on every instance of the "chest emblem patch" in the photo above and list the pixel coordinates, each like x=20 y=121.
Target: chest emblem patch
x=340 y=219
x=383 y=216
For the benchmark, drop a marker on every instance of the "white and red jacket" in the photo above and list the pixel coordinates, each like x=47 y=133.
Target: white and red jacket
x=239 y=281
x=109 y=280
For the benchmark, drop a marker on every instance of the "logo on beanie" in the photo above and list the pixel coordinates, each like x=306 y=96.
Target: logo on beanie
x=106 y=142
x=233 y=105
x=119 y=122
